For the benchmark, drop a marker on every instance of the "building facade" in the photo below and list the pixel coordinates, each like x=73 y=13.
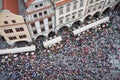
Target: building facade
x=72 y=12
x=43 y=17
x=110 y=5
x=68 y=12
x=94 y=8
x=13 y=28
x=39 y=17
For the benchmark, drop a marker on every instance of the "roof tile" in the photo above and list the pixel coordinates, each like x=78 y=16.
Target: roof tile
x=11 y=5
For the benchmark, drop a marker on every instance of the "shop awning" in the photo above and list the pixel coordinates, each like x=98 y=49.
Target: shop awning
x=18 y=50
x=52 y=41
x=75 y=32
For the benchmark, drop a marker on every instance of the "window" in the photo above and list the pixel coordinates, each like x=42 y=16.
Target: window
x=40 y=14
x=33 y=25
x=19 y=29
x=94 y=9
x=50 y=19
x=41 y=5
x=8 y=31
x=97 y=0
x=89 y=10
x=13 y=21
x=79 y=13
x=61 y=20
x=5 y=22
x=91 y=1
x=96 y=5
x=41 y=22
x=45 y=12
x=108 y=2
x=74 y=5
x=99 y=6
x=60 y=10
x=67 y=18
x=42 y=29
x=35 y=15
x=22 y=36
x=36 y=6
x=68 y=8
x=35 y=31
x=12 y=38
x=73 y=15
x=50 y=26
x=81 y=3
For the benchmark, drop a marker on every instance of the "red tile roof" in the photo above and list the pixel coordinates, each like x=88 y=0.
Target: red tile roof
x=11 y=5
x=62 y=2
x=29 y=2
x=57 y=4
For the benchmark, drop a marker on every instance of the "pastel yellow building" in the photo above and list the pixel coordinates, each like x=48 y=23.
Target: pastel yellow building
x=13 y=27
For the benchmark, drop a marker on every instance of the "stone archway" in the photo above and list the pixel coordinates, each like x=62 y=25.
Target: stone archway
x=21 y=43
x=88 y=18
x=64 y=32
x=3 y=43
x=2 y=38
x=39 y=42
x=106 y=11
x=76 y=24
x=117 y=6
x=40 y=38
x=96 y=15
x=62 y=29
x=51 y=34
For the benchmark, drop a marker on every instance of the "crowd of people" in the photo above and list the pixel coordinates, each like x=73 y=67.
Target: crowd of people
x=81 y=58
x=4 y=44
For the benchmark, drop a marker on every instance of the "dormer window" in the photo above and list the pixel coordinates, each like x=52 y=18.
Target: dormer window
x=5 y=22
x=36 y=6
x=41 y=5
x=13 y=21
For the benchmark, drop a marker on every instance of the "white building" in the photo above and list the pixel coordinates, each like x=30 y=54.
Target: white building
x=110 y=5
x=46 y=16
x=69 y=12
x=13 y=28
x=39 y=17
x=94 y=8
